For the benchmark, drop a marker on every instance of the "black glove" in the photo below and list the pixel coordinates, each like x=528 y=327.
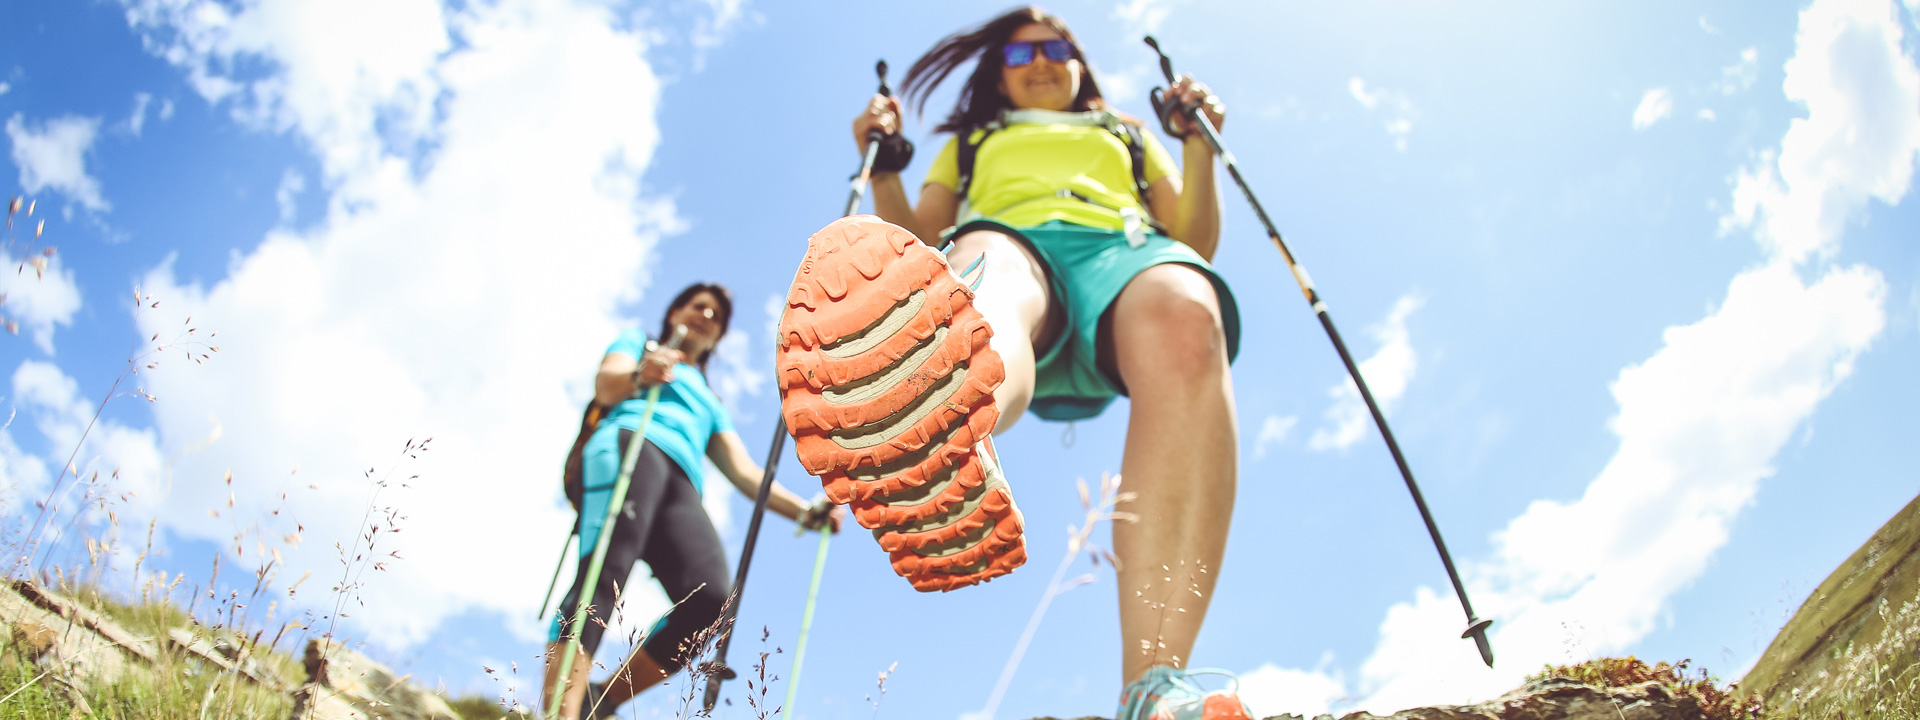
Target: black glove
x=895 y=152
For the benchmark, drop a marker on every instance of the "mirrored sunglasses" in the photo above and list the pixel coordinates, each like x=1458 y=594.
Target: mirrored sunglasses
x=1016 y=54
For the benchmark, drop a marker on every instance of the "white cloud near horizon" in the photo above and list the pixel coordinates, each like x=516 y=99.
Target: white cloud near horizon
x=1395 y=106
x=38 y=301
x=1701 y=420
x=52 y=156
x=1388 y=372
x=483 y=229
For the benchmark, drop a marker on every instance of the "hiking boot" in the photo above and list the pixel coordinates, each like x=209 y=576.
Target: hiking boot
x=1166 y=693
x=887 y=385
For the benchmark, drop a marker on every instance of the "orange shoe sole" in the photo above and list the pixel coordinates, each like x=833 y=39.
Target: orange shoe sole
x=888 y=378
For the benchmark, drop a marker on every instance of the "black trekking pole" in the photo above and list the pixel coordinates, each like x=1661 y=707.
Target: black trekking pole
x=717 y=670
x=1162 y=106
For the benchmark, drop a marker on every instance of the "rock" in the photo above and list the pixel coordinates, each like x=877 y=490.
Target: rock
x=70 y=645
x=1555 y=699
x=346 y=685
x=1862 y=614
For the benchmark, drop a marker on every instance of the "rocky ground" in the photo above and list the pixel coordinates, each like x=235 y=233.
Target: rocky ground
x=1853 y=650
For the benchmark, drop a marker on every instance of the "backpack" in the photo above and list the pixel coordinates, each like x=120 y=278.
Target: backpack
x=573 y=476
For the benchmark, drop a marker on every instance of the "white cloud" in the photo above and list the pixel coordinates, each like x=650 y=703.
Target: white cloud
x=1708 y=26
x=138 y=120
x=723 y=17
x=739 y=371
x=292 y=183
x=467 y=299
x=335 y=75
x=1388 y=372
x=127 y=459
x=1741 y=75
x=1706 y=115
x=38 y=299
x=1858 y=140
x=1271 y=690
x=1142 y=17
x=53 y=156
x=1654 y=106
x=1395 y=106
x=1273 y=432
x=4 y=87
x=1701 y=420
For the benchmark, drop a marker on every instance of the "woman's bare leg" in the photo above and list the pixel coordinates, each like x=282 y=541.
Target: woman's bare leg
x=576 y=687
x=1181 y=462
x=1013 y=297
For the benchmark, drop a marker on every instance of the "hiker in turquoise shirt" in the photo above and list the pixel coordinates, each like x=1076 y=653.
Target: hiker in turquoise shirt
x=663 y=521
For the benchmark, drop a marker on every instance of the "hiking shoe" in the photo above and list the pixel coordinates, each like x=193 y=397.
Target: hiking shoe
x=1166 y=693
x=887 y=382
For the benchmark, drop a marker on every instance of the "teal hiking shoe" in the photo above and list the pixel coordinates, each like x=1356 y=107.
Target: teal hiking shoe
x=1166 y=693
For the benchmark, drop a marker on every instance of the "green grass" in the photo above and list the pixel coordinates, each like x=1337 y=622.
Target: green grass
x=179 y=686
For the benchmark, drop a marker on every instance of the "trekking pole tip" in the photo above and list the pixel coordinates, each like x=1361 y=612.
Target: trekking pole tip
x=1477 y=629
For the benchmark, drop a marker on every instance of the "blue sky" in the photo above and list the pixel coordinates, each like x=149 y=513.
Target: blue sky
x=1637 y=282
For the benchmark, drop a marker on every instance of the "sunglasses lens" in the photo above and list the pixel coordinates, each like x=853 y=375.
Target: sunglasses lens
x=1018 y=54
x=1058 y=50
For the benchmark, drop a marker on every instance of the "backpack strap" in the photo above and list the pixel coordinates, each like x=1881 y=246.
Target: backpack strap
x=966 y=153
x=1137 y=158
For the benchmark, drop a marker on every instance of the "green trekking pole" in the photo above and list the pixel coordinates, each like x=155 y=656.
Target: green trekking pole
x=806 y=620
x=555 y=582
x=1165 y=107
x=592 y=577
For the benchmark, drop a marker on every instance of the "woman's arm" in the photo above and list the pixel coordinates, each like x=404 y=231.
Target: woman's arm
x=730 y=455
x=621 y=375
x=1190 y=205
x=938 y=206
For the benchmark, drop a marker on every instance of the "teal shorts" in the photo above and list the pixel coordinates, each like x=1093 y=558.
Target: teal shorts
x=1086 y=269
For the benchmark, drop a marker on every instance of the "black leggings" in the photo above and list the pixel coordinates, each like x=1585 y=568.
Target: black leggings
x=663 y=523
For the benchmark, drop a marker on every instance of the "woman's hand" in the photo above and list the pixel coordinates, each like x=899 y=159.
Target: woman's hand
x=1189 y=92
x=882 y=114
x=822 y=514
x=656 y=367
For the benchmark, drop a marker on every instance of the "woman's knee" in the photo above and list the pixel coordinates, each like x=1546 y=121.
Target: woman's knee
x=1168 y=321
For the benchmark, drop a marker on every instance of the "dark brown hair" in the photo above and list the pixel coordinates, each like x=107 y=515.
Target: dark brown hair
x=980 y=100
x=720 y=295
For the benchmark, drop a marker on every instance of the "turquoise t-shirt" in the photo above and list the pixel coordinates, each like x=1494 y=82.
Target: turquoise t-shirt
x=686 y=417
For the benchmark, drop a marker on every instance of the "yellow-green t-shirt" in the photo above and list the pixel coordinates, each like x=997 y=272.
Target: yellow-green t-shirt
x=1019 y=172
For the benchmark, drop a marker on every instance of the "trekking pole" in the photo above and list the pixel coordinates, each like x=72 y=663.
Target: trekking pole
x=631 y=458
x=1476 y=627
x=717 y=670
x=555 y=582
x=806 y=621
